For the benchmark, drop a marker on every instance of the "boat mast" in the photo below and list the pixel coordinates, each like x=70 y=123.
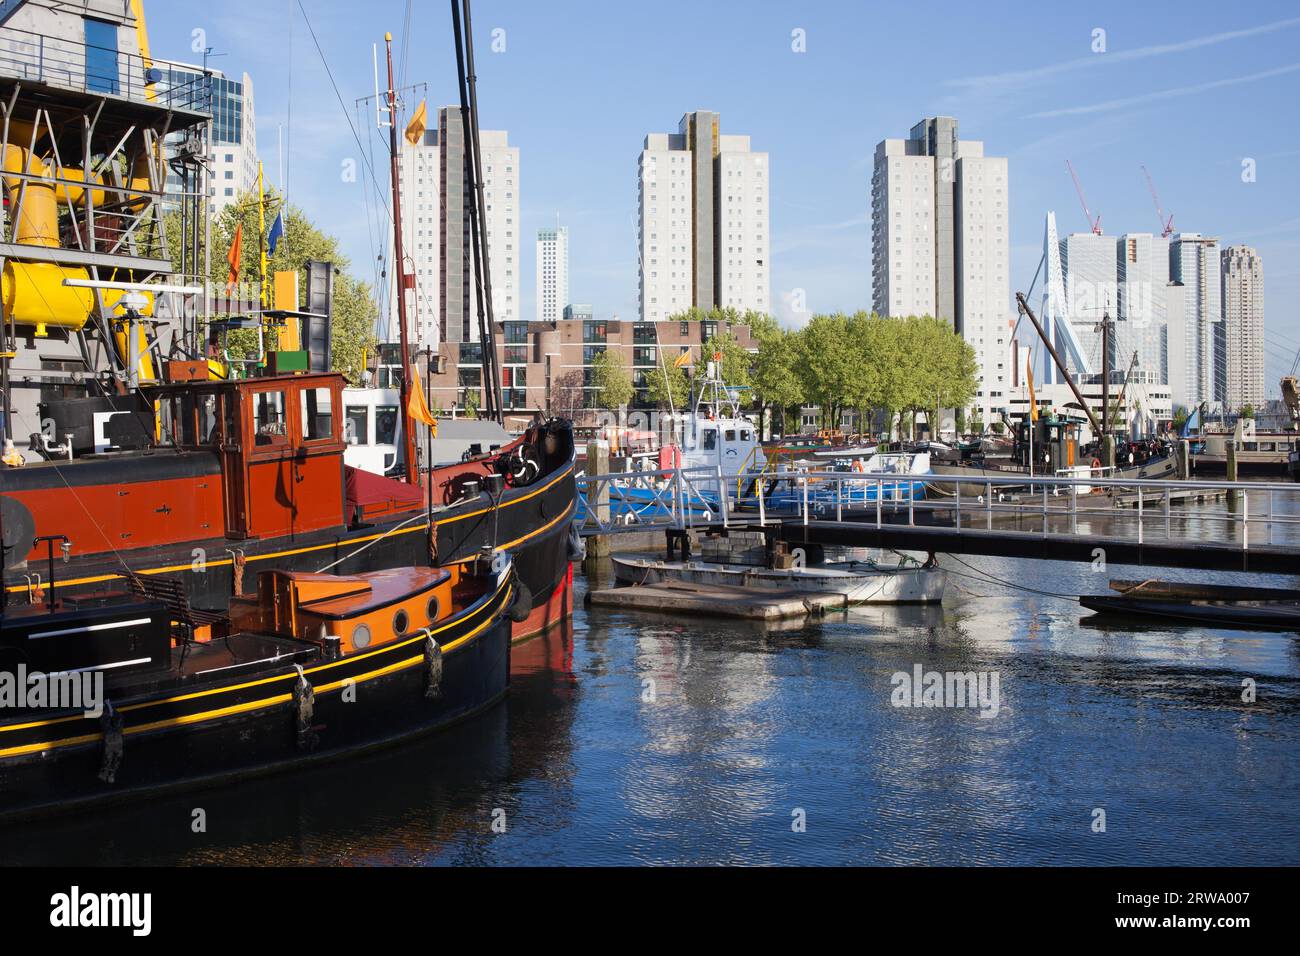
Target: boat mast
x=1105 y=372
x=477 y=211
x=399 y=261
x=1056 y=357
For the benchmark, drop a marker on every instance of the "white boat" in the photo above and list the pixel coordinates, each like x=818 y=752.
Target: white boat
x=862 y=582
x=716 y=435
x=372 y=428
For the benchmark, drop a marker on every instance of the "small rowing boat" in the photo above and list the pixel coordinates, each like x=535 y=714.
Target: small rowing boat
x=1216 y=605
x=861 y=582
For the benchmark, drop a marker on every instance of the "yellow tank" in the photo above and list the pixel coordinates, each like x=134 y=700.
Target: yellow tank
x=34 y=294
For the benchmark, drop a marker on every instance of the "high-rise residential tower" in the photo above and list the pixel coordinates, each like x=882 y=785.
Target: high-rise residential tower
x=1194 y=264
x=1242 y=276
x=940 y=241
x=436 y=231
x=552 y=273
x=704 y=233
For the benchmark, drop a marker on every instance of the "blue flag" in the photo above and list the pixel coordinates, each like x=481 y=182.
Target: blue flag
x=277 y=230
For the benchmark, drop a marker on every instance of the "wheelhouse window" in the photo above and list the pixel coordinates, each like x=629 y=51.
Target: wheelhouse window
x=357 y=425
x=386 y=425
x=710 y=439
x=269 y=424
x=317 y=409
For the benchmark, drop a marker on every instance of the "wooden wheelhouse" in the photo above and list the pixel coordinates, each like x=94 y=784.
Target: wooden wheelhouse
x=280 y=441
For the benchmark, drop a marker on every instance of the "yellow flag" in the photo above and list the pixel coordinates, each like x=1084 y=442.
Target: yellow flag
x=415 y=128
x=683 y=360
x=417 y=407
x=1033 y=402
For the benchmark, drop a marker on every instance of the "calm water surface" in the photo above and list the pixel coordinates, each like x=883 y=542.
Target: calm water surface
x=653 y=739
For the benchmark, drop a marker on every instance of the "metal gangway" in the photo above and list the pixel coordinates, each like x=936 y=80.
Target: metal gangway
x=1191 y=523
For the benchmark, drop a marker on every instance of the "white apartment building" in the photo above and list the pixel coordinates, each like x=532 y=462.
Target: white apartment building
x=421 y=189
x=501 y=197
x=903 y=230
x=941 y=241
x=552 y=273
x=704 y=221
x=743 y=269
x=1194 y=264
x=1242 y=275
x=436 y=232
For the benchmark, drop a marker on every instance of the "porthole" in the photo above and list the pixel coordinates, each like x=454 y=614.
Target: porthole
x=361 y=635
x=401 y=621
x=435 y=609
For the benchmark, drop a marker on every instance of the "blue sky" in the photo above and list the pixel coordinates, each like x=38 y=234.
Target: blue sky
x=1190 y=89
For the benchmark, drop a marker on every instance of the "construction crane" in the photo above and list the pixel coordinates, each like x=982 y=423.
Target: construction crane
x=1094 y=225
x=1166 y=225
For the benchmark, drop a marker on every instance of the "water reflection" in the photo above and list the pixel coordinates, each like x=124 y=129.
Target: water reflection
x=656 y=739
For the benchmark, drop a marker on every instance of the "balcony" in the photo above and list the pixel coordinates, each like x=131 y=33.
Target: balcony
x=71 y=65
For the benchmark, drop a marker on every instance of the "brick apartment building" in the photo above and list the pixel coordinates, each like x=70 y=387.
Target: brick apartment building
x=546 y=366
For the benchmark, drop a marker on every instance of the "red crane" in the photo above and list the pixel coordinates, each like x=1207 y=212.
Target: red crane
x=1093 y=224
x=1166 y=225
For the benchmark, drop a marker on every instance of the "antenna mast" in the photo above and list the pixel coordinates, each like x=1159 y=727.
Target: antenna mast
x=399 y=263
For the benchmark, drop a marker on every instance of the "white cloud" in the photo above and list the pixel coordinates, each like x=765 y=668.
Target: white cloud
x=1017 y=77
x=1109 y=105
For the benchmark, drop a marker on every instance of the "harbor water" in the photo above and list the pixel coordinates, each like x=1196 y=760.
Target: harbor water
x=648 y=739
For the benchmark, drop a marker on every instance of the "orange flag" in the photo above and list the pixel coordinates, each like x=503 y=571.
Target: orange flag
x=234 y=257
x=415 y=128
x=1033 y=401
x=417 y=407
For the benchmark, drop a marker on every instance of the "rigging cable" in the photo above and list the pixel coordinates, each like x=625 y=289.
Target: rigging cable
x=355 y=135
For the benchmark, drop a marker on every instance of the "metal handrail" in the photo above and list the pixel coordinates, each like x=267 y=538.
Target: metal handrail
x=681 y=495
x=63 y=62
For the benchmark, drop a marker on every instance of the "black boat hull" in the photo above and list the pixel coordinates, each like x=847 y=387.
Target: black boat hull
x=1210 y=614
x=202 y=735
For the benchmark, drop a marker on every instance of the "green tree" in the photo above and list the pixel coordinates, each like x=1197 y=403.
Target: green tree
x=775 y=376
x=736 y=359
x=352 y=334
x=825 y=365
x=667 y=387
x=611 y=379
x=1248 y=411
